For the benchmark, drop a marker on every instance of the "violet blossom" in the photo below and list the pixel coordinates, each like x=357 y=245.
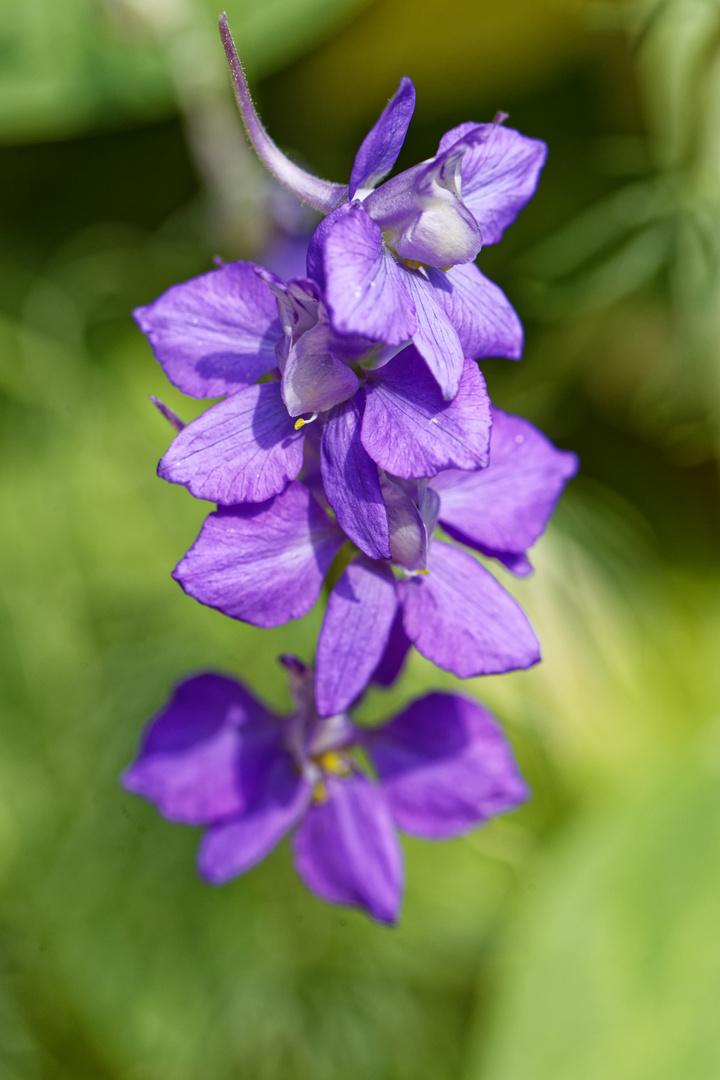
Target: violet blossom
x=220 y=332
x=265 y=563
x=216 y=757
x=395 y=261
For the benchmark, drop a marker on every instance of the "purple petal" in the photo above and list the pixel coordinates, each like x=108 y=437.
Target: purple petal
x=314 y=378
x=435 y=337
x=381 y=146
x=422 y=216
x=502 y=510
x=351 y=481
x=233 y=847
x=408 y=534
x=393 y=658
x=485 y=321
x=205 y=754
x=354 y=633
x=263 y=563
x=346 y=850
x=366 y=291
x=459 y=617
x=499 y=174
x=445 y=766
x=214 y=333
x=244 y=449
x=410 y=431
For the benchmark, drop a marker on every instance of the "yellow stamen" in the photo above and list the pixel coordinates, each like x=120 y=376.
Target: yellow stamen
x=423 y=571
x=413 y=264
x=333 y=762
x=300 y=423
x=446 y=267
x=319 y=792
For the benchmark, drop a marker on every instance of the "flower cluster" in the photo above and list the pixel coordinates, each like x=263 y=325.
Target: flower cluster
x=353 y=424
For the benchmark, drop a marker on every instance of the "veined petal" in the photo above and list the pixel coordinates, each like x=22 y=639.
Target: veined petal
x=351 y=481
x=298 y=304
x=232 y=847
x=435 y=338
x=445 y=766
x=365 y=289
x=410 y=431
x=381 y=146
x=459 y=617
x=484 y=319
x=422 y=216
x=321 y=194
x=408 y=535
x=502 y=510
x=244 y=449
x=215 y=333
x=392 y=660
x=354 y=633
x=499 y=174
x=205 y=754
x=315 y=378
x=346 y=850
x=263 y=563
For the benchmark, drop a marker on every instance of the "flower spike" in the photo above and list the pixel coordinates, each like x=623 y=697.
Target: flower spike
x=321 y=194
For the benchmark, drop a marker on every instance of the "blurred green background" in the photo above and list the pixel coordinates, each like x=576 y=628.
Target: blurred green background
x=574 y=940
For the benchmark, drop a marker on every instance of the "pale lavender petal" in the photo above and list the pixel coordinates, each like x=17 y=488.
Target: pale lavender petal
x=298 y=303
x=435 y=337
x=351 y=481
x=459 y=617
x=408 y=535
x=393 y=658
x=485 y=320
x=422 y=216
x=263 y=563
x=346 y=850
x=410 y=431
x=314 y=378
x=499 y=174
x=215 y=333
x=244 y=449
x=454 y=135
x=354 y=633
x=231 y=848
x=205 y=754
x=381 y=146
x=429 y=507
x=502 y=510
x=366 y=291
x=445 y=766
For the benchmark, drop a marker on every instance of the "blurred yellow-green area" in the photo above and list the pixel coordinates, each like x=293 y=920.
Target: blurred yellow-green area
x=574 y=940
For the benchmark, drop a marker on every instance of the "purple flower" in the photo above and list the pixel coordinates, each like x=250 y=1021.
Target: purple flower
x=220 y=332
x=381 y=253
x=216 y=757
x=265 y=563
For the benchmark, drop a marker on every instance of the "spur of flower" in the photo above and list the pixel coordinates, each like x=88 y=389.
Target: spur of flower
x=221 y=332
x=395 y=259
x=216 y=757
x=265 y=563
